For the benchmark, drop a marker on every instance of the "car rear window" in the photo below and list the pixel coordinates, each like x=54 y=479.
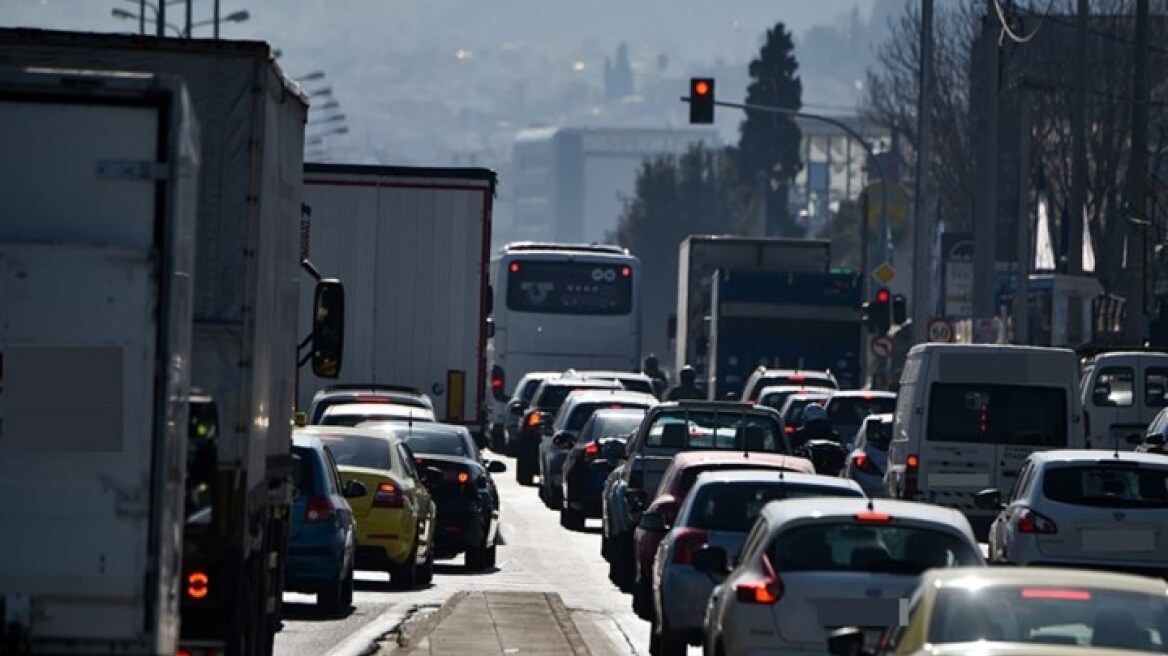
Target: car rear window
x=1051 y=614
x=1107 y=486
x=614 y=426
x=794 y=414
x=734 y=506
x=853 y=409
x=528 y=389
x=1021 y=415
x=679 y=430
x=583 y=411
x=358 y=451
x=638 y=385
x=856 y=547
x=805 y=381
x=435 y=444
x=302 y=470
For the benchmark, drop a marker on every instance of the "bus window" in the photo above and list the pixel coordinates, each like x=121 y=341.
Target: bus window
x=569 y=287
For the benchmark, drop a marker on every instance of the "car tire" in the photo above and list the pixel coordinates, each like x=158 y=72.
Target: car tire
x=643 y=600
x=347 y=591
x=524 y=469
x=425 y=573
x=405 y=576
x=663 y=645
x=573 y=520
x=476 y=559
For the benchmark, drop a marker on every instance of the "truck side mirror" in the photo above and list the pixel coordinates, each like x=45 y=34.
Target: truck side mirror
x=328 y=328
x=671 y=327
x=490 y=328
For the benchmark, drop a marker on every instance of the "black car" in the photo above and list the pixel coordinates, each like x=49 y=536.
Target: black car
x=537 y=419
x=596 y=452
x=459 y=479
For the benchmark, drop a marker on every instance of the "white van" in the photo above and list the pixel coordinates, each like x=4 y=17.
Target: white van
x=1121 y=394
x=968 y=415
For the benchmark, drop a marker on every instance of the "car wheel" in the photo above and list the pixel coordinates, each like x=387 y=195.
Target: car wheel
x=643 y=600
x=573 y=520
x=347 y=591
x=426 y=570
x=524 y=470
x=330 y=599
x=405 y=576
x=663 y=645
x=491 y=557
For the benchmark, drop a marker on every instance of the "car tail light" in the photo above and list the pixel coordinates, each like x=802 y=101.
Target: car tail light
x=498 y=381
x=1062 y=594
x=790 y=429
x=766 y=590
x=198 y=585
x=319 y=509
x=685 y=543
x=865 y=464
x=912 y=470
x=388 y=496
x=591 y=450
x=534 y=419
x=873 y=517
x=1031 y=522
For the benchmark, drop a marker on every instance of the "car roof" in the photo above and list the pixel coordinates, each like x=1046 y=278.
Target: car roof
x=687 y=459
x=598 y=373
x=778 y=513
x=577 y=381
x=749 y=475
x=403 y=426
x=772 y=389
x=539 y=375
x=319 y=431
x=795 y=372
x=976 y=577
x=1093 y=456
x=605 y=413
x=614 y=394
x=883 y=417
x=376 y=409
x=306 y=439
x=863 y=394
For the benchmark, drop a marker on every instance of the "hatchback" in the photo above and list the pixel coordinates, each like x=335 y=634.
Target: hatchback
x=810 y=565
x=868 y=460
x=846 y=410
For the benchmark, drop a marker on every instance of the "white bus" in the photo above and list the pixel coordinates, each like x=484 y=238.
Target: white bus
x=557 y=307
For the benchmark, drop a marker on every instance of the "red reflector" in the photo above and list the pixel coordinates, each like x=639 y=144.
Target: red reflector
x=872 y=517
x=913 y=461
x=759 y=592
x=514 y=267
x=463 y=477
x=1056 y=593
x=534 y=419
x=626 y=272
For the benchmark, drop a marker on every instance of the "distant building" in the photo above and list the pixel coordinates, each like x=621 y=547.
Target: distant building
x=834 y=166
x=570 y=184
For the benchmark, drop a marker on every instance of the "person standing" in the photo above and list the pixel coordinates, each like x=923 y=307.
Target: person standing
x=653 y=370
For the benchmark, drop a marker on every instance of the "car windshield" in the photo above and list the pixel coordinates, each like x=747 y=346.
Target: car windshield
x=1051 y=614
x=434 y=443
x=583 y=411
x=863 y=547
x=734 y=506
x=851 y=410
x=358 y=451
x=354 y=419
x=681 y=429
x=1107 y=486
x=1022 y=415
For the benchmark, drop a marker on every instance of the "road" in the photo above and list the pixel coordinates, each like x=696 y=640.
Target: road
x=538 y=555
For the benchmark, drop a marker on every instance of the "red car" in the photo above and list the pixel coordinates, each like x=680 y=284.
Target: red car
x=676 y=483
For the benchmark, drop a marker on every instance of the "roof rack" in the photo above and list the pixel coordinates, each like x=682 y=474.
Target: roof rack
x=578 y=248
x=372 y=387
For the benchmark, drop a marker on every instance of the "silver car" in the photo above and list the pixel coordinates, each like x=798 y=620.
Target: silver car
x=810 y=565
x=868 y=460
x=719 y=511
x=1097 y=509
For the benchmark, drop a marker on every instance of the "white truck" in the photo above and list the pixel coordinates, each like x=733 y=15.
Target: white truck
x=243 y=332
x=98 y=174
x=412 y=246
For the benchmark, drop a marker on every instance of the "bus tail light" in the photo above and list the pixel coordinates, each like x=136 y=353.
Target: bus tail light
x=498 y=381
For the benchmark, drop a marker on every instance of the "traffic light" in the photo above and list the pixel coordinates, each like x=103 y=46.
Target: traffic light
x=899 y=309
x=878 y=313
x=701 y=100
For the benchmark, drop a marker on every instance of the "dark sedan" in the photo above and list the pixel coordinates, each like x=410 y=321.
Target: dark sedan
x=459 y=479
x=599 y=446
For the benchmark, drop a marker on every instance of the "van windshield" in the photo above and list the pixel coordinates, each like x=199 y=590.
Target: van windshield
x=1022 y=415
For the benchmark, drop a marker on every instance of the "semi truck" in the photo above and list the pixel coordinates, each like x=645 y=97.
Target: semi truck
x=243 y=273
x=700 y=256
x=413 y=247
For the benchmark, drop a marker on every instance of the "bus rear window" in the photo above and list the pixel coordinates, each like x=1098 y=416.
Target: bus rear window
x=1021 y=415
x=569 y=287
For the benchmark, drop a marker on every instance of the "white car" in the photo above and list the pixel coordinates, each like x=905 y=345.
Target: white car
x=811 y=565
x=352 y=414
x=868 y=460
x=718 y=511
x=1099 y=509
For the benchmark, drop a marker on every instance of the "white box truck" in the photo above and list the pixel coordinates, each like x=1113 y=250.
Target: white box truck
x=412 y=247
x=98 y=177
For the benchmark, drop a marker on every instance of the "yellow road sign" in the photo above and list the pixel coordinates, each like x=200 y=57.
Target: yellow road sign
x=884 y=273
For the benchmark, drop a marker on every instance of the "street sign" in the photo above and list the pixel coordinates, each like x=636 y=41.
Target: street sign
x=899 y=202
x=940 y=330
x=881 y=347
x=884 y=273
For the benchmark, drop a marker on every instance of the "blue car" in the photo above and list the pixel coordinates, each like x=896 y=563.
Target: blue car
x=599 y=446
x=323 y=536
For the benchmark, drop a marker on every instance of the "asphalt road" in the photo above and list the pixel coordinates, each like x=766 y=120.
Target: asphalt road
x=538 y=555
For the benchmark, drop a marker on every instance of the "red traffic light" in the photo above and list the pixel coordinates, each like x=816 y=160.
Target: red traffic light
x=701 y=87
x=883 y=295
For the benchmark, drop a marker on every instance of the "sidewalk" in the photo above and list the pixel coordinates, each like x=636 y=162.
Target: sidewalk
x=504 y=624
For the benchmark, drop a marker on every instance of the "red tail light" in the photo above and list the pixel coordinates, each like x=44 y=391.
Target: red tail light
x=865 y=464
x=685 y=543
x=765 y=591
x=319 y=509
x=388 y=496
x=912 y=470
x=790 y=430
x=1031 y=522
x=591 y=451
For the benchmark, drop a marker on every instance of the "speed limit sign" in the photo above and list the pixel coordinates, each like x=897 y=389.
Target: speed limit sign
x=940 y=330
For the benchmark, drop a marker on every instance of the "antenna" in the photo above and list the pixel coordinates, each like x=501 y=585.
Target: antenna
x=870 y=508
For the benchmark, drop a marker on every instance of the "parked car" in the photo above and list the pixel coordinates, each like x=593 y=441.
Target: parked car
x=1036 y=611
x=1096 y=509
x=720 y=510
x=675 y=485
x=811 y=564
x=599 y=447
x=462 y=487
x=560 y=434
x=792 y=410
x=668 y=429
x=360 y=393
x=517 y=406
x=546 y=401
x=322 y=543
x=763 y=377
x=775 y=395
x=868 y=460
x=351 y=414
x=395 y=521
x=847 y=409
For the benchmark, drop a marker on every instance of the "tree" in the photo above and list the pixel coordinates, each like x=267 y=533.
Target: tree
x=769 y=143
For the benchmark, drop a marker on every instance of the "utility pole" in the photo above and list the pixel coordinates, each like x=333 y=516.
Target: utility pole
x=216 y=17
x=1021 y=309
x=1078 y=151
x=1137 y=183
x=923 y=205
x=985 y=204
x=190 y=6
x=161 y=27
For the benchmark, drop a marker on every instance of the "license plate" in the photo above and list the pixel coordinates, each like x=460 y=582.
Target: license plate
x=862 y=612
x=959 y=480
x=1119 y=540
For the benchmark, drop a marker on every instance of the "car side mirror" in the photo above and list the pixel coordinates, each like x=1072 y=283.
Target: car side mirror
x=545 y=426
x=848 y=641
x=516 y=408
x=988 y=500
x=354 y=490
x=328 y=328
x=563 y=440
x=711 y=560
x=1155 y=439
x=490 y=328
x=432 y=476
x=652 y=522
x=637 y=499
x=1134 y=438
x=496 y=467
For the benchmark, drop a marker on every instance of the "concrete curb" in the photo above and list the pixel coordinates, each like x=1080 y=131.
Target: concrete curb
x=567 y=626
x=414 y=629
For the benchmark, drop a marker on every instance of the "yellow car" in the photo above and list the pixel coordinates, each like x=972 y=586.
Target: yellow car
x=395 y=520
